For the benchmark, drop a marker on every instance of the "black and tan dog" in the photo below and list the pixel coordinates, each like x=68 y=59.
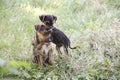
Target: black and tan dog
x=42 y=49
x=59 y=38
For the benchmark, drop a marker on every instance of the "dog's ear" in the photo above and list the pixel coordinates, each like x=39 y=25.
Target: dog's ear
x=55 y=18
x=37 y=27
x=42 y=18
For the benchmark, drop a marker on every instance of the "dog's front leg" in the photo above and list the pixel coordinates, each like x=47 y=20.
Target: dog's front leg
x=50 y=57
x=40 y=60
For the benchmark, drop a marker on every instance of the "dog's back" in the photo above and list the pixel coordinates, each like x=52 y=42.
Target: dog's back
x=60 y=38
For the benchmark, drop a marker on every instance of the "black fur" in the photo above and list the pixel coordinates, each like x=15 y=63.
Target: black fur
x=59 y=37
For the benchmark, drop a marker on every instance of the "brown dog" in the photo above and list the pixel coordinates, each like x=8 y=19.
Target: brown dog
x=59 y=38
x=42 y=49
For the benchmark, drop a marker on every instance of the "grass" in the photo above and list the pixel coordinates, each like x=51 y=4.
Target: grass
x=92 y=24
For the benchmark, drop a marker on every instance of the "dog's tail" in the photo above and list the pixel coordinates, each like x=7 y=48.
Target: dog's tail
x=76 y=47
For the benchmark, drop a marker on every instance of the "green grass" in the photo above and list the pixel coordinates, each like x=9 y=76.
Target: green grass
x=92 y=24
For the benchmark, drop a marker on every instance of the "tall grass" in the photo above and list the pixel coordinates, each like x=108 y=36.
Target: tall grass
x=92 y=24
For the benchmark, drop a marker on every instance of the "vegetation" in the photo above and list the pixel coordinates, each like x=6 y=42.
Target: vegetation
x=94 y=25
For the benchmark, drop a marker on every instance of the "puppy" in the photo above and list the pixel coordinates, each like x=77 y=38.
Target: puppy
x=59 y=38
x=42 y=49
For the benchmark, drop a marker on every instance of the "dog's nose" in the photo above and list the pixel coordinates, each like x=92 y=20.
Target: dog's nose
x=47 y=22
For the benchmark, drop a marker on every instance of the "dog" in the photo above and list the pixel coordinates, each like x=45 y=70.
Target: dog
x=59 y=38
x=42 y=49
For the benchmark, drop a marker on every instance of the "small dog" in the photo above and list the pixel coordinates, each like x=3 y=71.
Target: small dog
x=42 y=49
x=59 y=38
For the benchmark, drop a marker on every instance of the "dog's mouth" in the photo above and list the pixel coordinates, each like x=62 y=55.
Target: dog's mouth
x=47 y=22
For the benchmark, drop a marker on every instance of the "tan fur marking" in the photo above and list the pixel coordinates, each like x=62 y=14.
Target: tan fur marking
x=41 y=36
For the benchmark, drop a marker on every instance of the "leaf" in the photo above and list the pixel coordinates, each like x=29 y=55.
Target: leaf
x=26 y=74
x=19 y=63
x=14 y=71
x=107 y=62
x=38 y=75
x=3 y=70
x=53 y=74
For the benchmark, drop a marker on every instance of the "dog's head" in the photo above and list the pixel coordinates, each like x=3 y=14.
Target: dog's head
x=43 y=33
x=48 y=19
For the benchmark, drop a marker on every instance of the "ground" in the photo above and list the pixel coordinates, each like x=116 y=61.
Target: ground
x=94 y=25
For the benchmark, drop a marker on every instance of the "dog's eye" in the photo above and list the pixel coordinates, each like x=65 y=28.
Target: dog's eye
x=42 y=29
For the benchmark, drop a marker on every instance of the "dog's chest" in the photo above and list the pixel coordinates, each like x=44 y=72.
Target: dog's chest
x=46 y=48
